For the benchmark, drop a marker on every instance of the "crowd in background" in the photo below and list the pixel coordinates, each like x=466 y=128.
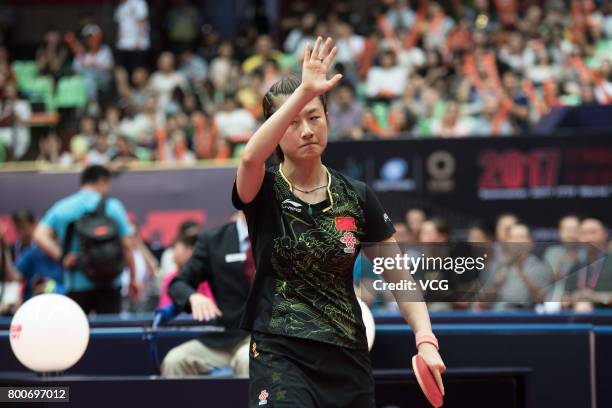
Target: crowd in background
x=519 y=272
x=411 y=69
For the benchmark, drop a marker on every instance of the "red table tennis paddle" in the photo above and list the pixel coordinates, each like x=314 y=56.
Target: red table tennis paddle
x=427 y=381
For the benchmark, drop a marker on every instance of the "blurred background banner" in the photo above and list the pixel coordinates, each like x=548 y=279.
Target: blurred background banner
x=157 y=201
x=541 y=178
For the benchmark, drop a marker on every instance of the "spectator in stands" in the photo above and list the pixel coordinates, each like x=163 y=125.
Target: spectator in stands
x=133 y=95
x=400 y=15
x=434 y=230
x=512 y=53
x=94 y=62
x=493 y=120
x=52 y=230
x=52 y=55
x=519 y=113
x=589 y=283
x=124 y=153
x=179 y=152
x=166 y=78
x=415 y=217
x=6 y=72
x=222 y=257
x=111 y=122
x=263 y=53
x=133 y=34
x=520 y=280
x=141 y=128
x=350 y=46
x=221 y=66
x=88 y=132
x=452 y=124
x=183 y=22
x=387 y=80
x=100 y=151
x=480 y=232
x=233 y=121
x=502 y=228
x=14 y=115
x=50 y=150
x=298 y=34
x=345 y=114
x=561 y=256
x=193 y=67
x=438 y=27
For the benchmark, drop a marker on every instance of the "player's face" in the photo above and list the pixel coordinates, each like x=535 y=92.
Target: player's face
x=306 y=136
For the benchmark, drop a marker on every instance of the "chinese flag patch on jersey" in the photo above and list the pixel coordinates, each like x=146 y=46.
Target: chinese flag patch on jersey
x=345 y=224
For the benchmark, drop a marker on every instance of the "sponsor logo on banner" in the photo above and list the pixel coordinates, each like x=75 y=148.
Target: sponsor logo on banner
x=394 y=176
x=441 y=169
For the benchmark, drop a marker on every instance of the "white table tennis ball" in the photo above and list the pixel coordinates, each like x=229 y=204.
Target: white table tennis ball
x=49 y=333
x=368 y=321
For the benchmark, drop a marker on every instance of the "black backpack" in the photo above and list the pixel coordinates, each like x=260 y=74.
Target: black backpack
x=100 y=250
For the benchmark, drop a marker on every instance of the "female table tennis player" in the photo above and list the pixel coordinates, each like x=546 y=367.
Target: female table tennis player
x=306 y=223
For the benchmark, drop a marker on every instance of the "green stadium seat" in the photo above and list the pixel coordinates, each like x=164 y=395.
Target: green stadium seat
x=381 y=113
x=71 y=92
x=25 y=71
x=41 y=89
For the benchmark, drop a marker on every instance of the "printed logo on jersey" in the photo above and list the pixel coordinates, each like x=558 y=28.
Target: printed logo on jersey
x=345 y=224
x=350 y=241
x=291 y=205
x=263 y=397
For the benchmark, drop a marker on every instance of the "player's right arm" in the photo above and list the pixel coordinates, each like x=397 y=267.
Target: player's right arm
x=261 y=145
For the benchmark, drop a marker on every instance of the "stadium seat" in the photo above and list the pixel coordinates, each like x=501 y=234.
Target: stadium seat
x=40 y=89
x=381 y=113
x=26 y=71
x=71 y=92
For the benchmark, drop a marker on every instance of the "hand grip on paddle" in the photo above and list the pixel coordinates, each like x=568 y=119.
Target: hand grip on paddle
x=434 y=362
x=428 y=369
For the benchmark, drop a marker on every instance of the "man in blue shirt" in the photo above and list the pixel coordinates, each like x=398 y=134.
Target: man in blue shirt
x=51 y=233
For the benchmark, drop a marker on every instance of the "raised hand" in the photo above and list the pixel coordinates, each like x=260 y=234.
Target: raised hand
x=315 y=66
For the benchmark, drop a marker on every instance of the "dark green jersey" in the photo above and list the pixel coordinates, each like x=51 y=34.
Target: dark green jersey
x=304 y=258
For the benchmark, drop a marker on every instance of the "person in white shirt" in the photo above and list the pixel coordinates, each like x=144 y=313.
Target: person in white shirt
x=166 y=78
x=95 y=64
x=14 y=112
x=234 y=121
x=350 y=45
x=100 y=153
x=387 y=80
x=133 y=35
